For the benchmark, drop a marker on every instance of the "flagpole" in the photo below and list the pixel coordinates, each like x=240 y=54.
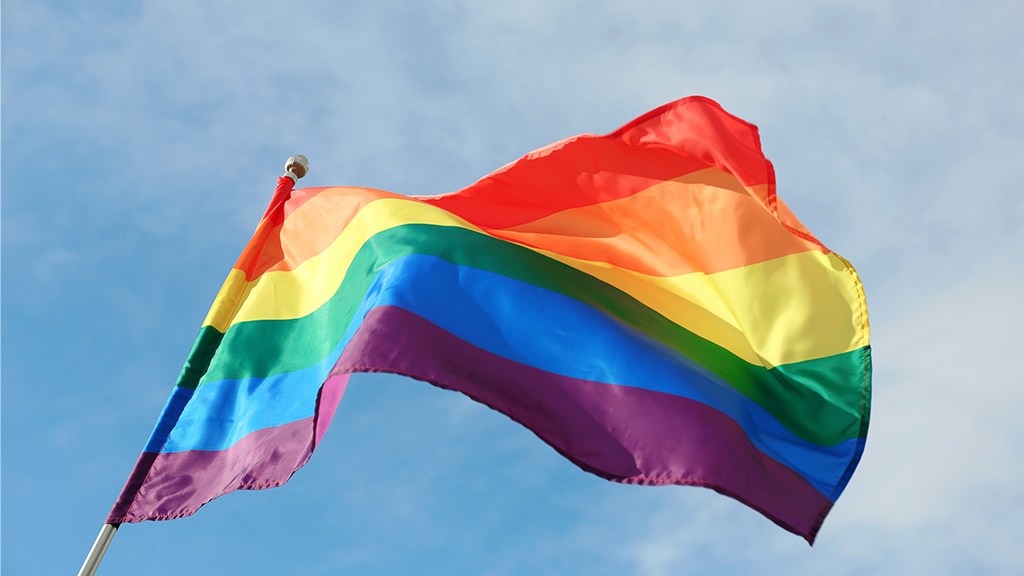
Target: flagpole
x=92 y=561
x=296 y=167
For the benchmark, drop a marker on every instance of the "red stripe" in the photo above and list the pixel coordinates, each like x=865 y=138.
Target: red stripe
x=679 y=138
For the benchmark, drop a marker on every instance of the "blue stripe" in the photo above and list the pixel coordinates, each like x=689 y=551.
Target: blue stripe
x=518 y=321
x=559 y=334
x=168 y=418
x=223 y=412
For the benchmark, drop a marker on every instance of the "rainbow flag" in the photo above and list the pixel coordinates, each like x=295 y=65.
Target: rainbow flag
x=642 y=301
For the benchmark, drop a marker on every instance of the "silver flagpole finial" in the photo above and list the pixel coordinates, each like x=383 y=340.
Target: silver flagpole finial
x=296 y=167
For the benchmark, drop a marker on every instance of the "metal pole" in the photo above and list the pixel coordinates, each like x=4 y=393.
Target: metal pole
x=296 y=167
x=92 y=561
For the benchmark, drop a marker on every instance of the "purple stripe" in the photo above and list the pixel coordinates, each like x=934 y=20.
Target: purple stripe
x=327 y=403
x=175 y=485
x=621 y=433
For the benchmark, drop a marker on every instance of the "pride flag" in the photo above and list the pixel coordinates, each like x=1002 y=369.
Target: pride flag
x=641 y=301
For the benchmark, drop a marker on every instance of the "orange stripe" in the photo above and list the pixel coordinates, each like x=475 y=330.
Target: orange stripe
x=315 y=217
x=690 y=224
x=301 y=196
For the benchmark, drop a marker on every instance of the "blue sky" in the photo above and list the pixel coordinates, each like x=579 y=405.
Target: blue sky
x=141 y=142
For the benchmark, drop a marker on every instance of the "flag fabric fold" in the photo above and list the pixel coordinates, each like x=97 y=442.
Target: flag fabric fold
x=642 y=301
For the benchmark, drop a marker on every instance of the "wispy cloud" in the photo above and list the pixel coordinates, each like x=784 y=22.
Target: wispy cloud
x=140 y=143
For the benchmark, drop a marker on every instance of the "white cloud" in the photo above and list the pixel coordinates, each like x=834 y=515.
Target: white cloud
x=896 y=129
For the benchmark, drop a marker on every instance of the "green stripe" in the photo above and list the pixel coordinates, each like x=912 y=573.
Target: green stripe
x=809 y=398
x=198 y=361
x=823 y=385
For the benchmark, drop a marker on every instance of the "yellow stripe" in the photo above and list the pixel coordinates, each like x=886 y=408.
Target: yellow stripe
x=279 y=295
x=798 y=307
x=795 y=308
x=224 y=306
